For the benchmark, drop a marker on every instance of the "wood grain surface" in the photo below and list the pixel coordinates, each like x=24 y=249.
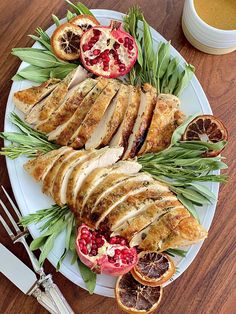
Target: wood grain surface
x=209 y=284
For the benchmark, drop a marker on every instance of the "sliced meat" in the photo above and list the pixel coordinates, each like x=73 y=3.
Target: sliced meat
x=145 y=216
x=100 y=158
x=64 y=132
x=160 y=229
x=188 y=232
x=110 y=182
x=121 y=137
x=52 y=173
x=143 y=120
x=38 y=167
x=166 y=118
x=95 y=115
x=117 y=195
x=45 y=108
x=26 y=99
x=111 y=119
x=133 y=204
x=68 y=107
x=61 y=180
x=96 y=177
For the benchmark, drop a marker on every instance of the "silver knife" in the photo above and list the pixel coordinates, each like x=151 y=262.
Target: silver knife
x=23 y=277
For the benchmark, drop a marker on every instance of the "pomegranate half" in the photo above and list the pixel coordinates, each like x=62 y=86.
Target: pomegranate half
x=104 y=255
x=108 y=51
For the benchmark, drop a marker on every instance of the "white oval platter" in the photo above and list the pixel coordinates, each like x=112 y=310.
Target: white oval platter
x=30 y=198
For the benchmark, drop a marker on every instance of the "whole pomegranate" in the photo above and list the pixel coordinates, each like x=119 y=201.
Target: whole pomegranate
x=104 y=255
x=108 y=51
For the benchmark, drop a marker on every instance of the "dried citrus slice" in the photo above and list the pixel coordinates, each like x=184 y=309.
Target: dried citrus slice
x=206 y=128
x=134 y=297
x=153 y=269
x=85 y=22
x=65 y=41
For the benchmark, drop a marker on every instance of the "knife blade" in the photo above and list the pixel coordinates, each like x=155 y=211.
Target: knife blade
x=23 y=277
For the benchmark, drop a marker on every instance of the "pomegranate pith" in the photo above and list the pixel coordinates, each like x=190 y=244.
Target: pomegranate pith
x=104 y=255
x=108 y=50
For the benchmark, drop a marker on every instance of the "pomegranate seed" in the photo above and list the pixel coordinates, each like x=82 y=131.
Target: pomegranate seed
x=105 y=68
x=85 y=48
x=94 y=252
x=100 y=60
x=99 y=240
x=84 y=229
x=113 y=240
x=96 y=32
x=112 y=52
x=106 y=52
x=123 y=242
x=130 y=47
x=106 y=59
x=127 y=40
x=85 y=235
x=84 y=250
x=117 y=264
x=126 y=45
x=111 y=260
x=117 y=252
x=94 y=246
x=94 y=61
x=82 y=242
x=121 y=40
x=96 y=52
x=125 y=252
x=116 y=45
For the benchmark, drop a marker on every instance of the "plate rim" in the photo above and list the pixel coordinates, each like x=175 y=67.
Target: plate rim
x=68 y=273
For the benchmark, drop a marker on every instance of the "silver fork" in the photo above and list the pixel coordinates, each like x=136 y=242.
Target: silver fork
x=50 y=287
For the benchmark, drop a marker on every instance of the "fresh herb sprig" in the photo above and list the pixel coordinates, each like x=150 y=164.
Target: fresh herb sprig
x=53 y=221
x=28 y=142
x=43 y=64
x=154 y=66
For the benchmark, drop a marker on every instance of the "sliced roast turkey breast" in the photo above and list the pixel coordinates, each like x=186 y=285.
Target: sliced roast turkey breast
x=122 y=135
x=111 y=119
x=96 y=177
x=64 y=132
x=166 y=118
x=61 y=180
x=95 y=115
x=38 y=167
x=100 y=158
x=187 y=232
x=133 y=203
x=145 y=216
x=110 y=182
x=116 y=196
x=160 y=229
x=68 y=107
x=47 y=106
x=142 y=122
x=52 y=173
x=26 y=99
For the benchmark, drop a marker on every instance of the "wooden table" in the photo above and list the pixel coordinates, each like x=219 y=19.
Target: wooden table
x=208 y=286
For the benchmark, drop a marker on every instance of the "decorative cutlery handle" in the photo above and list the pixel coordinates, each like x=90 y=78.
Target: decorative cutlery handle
x=55 y=294
x=44 y=300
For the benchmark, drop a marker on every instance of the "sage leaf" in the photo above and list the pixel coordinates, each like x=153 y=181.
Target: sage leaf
x=172 y=67
x=79 y=8
x=192 y=195
x=184 y=79
x=36 y=57
x=62 y=71
x=70 y=15
x=17 y=77
x=179 y=131
x=47 y=248
x=56 y=20
x=88 y=276
x=204 y=190
x=189 y=205
x=164 y=58
x=178 y=252
x=38 y=242
x=41 y=41
x=35 y=74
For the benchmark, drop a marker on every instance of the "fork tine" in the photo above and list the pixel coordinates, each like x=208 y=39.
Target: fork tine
x=10 y=216
x=12 y=204
x=5 y=225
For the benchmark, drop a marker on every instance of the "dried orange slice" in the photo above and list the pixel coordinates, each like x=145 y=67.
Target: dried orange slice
x=134 y=297
x=84 y=21
x=153 y=269
x=65 y=41
x=206 y=128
